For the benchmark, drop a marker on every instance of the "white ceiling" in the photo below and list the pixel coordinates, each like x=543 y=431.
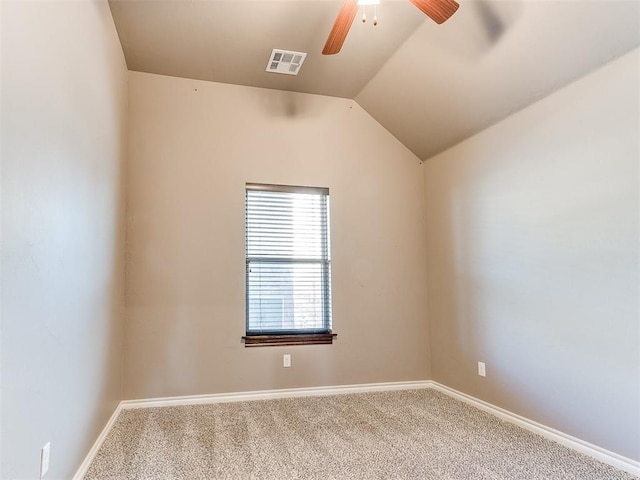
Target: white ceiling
x=430 y=85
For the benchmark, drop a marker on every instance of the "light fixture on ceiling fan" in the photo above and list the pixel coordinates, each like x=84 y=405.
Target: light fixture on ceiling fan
x=364 y=4
x=438 y=10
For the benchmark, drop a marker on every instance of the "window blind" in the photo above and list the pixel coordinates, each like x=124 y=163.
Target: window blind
x=287 y=260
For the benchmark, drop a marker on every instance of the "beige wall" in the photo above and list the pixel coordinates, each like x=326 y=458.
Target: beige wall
x=533 y=261
x=193 y=145
x=64 y=88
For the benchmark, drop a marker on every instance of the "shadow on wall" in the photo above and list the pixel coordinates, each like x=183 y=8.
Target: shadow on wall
x=292 y=105
x=477 y=28
x=107 y=337
x=111 y=331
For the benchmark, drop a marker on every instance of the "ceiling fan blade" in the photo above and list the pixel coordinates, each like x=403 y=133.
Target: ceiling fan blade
x=437 y=10
x=341 y=27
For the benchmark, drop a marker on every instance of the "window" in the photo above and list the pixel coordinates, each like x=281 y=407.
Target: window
x=288 y=268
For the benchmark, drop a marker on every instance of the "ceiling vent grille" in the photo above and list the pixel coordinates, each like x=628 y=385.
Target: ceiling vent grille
x=286 y=62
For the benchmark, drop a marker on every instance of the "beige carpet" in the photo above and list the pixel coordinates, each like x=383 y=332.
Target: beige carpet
x=417 y=434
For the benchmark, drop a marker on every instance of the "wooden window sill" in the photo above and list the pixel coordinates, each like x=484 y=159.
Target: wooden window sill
x=284 y=340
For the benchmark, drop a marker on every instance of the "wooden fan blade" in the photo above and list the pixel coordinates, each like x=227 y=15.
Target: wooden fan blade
x=437 y=10
x=341 y=27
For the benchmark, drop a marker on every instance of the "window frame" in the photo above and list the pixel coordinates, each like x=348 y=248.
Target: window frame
x=299 y=336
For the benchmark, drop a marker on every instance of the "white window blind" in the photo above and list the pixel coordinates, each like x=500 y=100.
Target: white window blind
x=287 y=260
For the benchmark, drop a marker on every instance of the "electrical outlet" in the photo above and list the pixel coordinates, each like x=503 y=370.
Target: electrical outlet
x=286 y=360
x=482 y=370
x=44 y=459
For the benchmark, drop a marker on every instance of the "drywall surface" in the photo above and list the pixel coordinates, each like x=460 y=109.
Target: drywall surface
x=490 y=60
x=533 y=261
x=64 y=102
x=193 y=146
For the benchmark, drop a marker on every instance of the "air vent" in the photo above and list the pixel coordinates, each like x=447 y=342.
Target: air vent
x=286 y=62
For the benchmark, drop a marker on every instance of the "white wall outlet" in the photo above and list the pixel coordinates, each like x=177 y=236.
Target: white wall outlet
x=482 y=369
x=286 y=360
x=44 y=459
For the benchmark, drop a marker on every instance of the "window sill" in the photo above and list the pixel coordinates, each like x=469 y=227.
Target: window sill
x=285 y=340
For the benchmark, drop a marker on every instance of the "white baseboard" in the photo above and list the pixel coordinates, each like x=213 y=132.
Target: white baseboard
x=605 y=456
x=272 y=394
x=86 y=463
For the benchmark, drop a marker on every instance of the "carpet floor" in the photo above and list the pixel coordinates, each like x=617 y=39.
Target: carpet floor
x=416 y=434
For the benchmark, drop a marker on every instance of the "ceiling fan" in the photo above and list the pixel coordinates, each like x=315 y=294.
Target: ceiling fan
x=438 y=10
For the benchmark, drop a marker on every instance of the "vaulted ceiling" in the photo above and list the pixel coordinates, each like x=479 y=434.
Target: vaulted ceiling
x=430 y=85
